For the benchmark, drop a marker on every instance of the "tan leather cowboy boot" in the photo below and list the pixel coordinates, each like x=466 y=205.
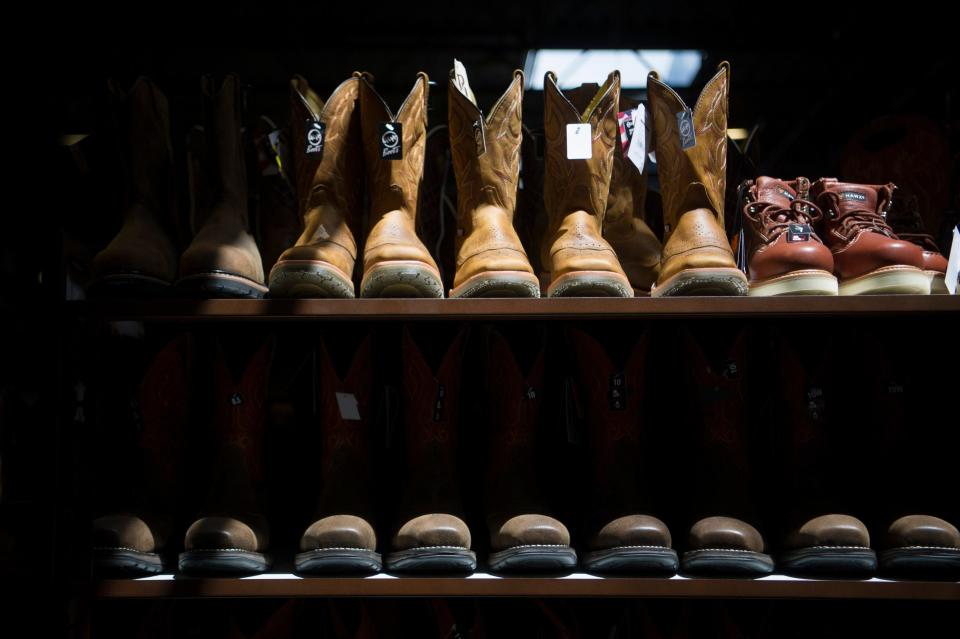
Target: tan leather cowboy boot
x=142 y=257
x=223 y=259
x=328 y=165
x=579 y=260
x=491 y=261
x=342 y=538
x=395 y=261
x=697 y=258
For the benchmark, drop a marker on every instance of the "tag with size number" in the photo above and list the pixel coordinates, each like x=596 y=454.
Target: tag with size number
x=617 y=392
x=349 y=408
x=316 y=134
x=391 y=141
x=579 y=142
x=637 y=153
x=798 y=233
x=688 y=135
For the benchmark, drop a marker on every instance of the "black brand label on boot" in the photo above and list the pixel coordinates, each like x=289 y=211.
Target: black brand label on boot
x=798 y=233
x=688 y=135
x=478 y=137
x=316 y=136
x=815 y=403
x=618 y=392
x=438 y=405
x=391 y=141
x=853 y=195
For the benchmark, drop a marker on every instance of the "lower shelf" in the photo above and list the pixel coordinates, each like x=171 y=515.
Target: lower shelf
x=577 y=585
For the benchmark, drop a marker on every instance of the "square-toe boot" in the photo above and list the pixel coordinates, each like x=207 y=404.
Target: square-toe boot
x=784 y=253
x=328 y=165
x=133 y=541
x=523 y=535
x=905 y=220
x=142 y=258
x=868 y=257
x=491 y=261
x=622 y=536
x=342 y=537
x=231 y=536
x=576 y=258
x=395 y=261
x=691 y=149
x=724 y=541
x=432 y=536
x=223 y=259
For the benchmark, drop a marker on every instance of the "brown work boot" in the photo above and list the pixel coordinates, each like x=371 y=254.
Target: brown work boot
x=623 y=538
x=868 y=257
x=433 y=536
x=231 y=535
x=342 y=538
x=223 y=259
x=395 y=261
x=905 y=220
x=279 y=223
x=691 y=149
x=491 y=261
x=921 y=546
x=579 y=261
x=784 y=253
x=133 y=542
x=328 y=164
x=142 y=258
x=523 y=536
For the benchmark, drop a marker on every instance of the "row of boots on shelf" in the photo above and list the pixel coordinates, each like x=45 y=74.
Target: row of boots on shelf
x=352 y=148
x=684 y=451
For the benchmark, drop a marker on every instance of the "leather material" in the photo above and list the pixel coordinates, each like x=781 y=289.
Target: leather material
x=222 y=533
x=486 y=161
x=922 y=530
x=330 y=183
x=394 y=185
x=431 y=505
x=771 y=205
x=339 y=531
x=855 y=229
x=575 y=191
x=829 y=530
x=692 y=181
x=123 y=531
x=144 y=245
x=529 y=530
x=632 y=530
x=905 y=220
x=223 y=243
x=724 y=532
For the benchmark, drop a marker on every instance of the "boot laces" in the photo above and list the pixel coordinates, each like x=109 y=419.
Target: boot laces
x=777 y=219
x=865 y=220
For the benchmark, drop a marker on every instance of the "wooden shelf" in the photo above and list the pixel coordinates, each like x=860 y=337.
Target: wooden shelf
x=566 y=308
x=576 y=585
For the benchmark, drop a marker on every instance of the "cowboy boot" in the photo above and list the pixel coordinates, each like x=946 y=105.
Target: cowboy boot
x=784 y=253
x=395 y=261
x=342 y=539
x=328 y=164
x=623 y=539
x=580 y=262
x=868 y=256
x=133 y=542
x=724 y=541
x=905 y=220
x=691 y=148
x=433 y=536
x=223 y=259
x=523 y=537
x=491 y=261
x=231 y=535
x=142 y=257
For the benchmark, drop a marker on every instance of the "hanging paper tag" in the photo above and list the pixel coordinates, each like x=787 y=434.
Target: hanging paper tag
x=625 y=122
x=461 y=82
x=391 y=141
x=637 y=153
x=579 y=142
x=953 y=265
x=349 y=408
x=798 y=233
x=618 y=392
x=315 y=137
x=688 y=136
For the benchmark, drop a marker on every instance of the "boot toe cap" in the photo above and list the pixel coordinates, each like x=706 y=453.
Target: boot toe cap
x=725 y=532
x=220 y=533
x=339 y=531
x=436 y=529
x=123 y=531
x=922 y=530
x=783 y=257
x=831 y=530
x=531 y=530
x=633 y=530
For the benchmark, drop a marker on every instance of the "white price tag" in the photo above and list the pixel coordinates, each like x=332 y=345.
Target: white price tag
x=461 y=82
x=637 y=153
x=579 y=142
x=953 y=264
x=349 y=409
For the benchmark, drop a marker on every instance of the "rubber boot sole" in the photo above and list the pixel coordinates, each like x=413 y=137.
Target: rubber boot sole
x=306 y=278
x=590 y=284
x=726 y=561
x=221 y=285
x=499 y=284
x=922 y=561
x=703 y=281
x=658 y=560
x=811 y=282
x=854 y=561
x=533 y=558
x=223 y=562
x=338 y=560
x=401 y=279
x=433 y=559
x=125 y=562
x=895 y=280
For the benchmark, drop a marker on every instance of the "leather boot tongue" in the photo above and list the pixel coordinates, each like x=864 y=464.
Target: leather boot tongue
x=775 y=192
x=855 y=197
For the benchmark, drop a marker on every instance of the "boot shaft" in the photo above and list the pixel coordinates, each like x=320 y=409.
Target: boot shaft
x=693 y=177
x=224 y=115
x=850 y=209
x=149 y=150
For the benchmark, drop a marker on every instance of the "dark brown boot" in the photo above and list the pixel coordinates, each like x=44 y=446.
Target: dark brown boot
x=232 y=535
x=523 y=537
x=342 y=538
x=622 y=537
x=433 y=536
